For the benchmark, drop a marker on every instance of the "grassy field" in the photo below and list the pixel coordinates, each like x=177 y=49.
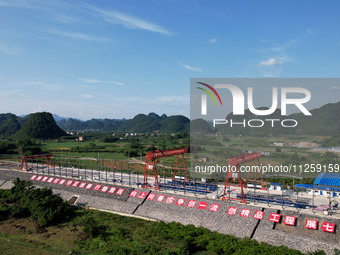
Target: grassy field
x=24 y=236
x=129 y=153
x=13 y=245
x=35 y=221
x=109 y=155
x=296 y=151
x=278 y=155
x=98 y=233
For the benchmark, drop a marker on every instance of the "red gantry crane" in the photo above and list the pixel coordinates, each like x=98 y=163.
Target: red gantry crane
x=151 y=168
x=24 y=160
x=234 y=173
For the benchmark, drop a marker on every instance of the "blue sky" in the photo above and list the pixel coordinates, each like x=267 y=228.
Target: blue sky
x=96 y=59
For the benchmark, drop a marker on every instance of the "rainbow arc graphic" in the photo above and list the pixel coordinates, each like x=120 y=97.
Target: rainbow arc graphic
x=204 y=98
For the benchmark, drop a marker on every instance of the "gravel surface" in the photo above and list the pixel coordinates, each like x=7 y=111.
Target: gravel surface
x=298 y=237
x=134 y=201
x=6 y=185
x=2 y=182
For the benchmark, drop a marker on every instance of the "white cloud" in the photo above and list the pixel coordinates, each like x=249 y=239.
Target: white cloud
x=291 y=43
x=192 y=68
x=38 y=109
x=55 y=8
x=76 y=35
x=86 y=96
x=49 y=8
x=128 y=21
x=8 y=93
x=7 y=3
x=65 y=19
x=42 y=84
x=213 y=40
x=334 y=88
x=271 y=62
x=280 y=53
x=95 y=81
x=162 y=100
x=9 y=50
x=174 y=100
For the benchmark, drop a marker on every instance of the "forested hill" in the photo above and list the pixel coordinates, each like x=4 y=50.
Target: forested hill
x=43 y=125
x=40 y=125
x=141 y=123
x=9 y=124
x=324 y=121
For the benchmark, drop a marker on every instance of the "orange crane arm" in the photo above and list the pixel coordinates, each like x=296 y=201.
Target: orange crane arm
x=244 y=158
x=165 y=153
x=38 y=156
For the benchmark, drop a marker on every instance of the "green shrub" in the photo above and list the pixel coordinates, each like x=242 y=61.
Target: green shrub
x=4 y=212
x=41 y=204
x=19 y=211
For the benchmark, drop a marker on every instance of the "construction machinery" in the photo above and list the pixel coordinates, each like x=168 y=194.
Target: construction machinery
x=24 y=160
x=150 y=171
x=233 y=178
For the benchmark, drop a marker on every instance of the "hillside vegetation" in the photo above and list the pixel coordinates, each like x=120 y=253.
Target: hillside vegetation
x=332 y=141
x=324 y=121
x=9 y=124
x=40 y=125
x=23 y=200
x=141 y=123
x=43 y=125
x=93 y=232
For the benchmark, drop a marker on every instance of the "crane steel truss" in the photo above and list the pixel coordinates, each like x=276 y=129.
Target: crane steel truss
x=151 y=168
x=234 y=173
x=24 y=160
